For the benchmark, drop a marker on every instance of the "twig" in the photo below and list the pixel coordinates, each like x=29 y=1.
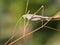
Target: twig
x=52 y=28
x=28 y=33
x=16 y=34
x=13 y=31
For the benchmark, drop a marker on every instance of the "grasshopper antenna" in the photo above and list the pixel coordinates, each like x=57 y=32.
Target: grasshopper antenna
x=26 y=6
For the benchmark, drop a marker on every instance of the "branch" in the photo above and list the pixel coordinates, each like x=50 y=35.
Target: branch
x=29 y=33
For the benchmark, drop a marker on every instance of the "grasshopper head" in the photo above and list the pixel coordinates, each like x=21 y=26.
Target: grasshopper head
x=27 y=16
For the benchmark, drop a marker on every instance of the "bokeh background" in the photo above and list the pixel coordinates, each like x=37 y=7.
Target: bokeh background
x=12 y=10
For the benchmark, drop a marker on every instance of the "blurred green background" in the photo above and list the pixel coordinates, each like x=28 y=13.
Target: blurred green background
x=12 y=10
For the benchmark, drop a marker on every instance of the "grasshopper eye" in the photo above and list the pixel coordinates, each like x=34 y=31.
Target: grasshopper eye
x=28 y=16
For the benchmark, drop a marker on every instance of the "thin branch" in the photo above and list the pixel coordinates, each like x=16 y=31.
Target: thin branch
x=13 y=31
x=28 y=33
x=25 y=26
x=52 y=28
x=15 y=34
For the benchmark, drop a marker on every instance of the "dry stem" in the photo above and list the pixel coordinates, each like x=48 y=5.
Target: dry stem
x=29 y=33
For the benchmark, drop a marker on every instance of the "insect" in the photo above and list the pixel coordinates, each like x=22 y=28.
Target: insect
x=35 y=17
